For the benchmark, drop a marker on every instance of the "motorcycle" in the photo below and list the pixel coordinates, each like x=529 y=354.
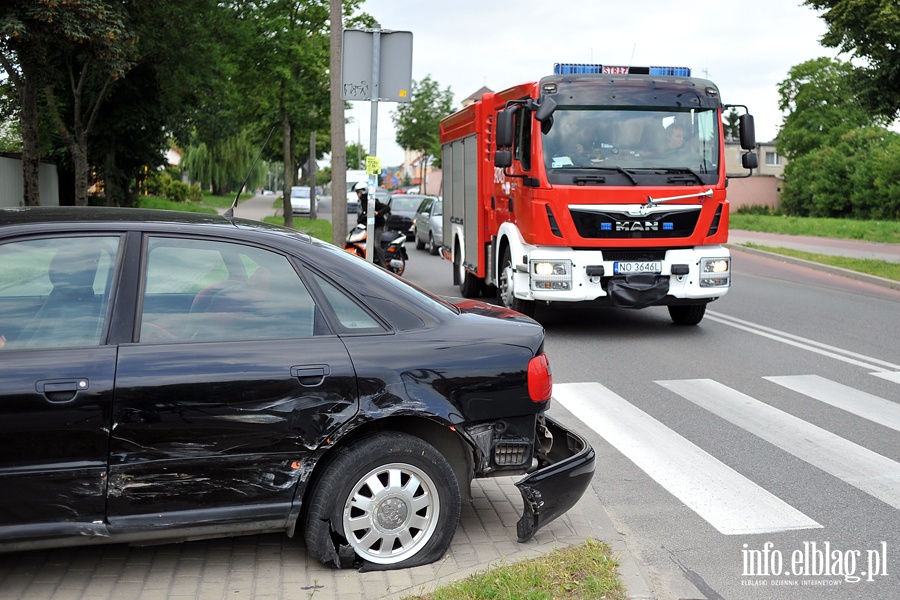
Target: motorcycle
x=393 y=245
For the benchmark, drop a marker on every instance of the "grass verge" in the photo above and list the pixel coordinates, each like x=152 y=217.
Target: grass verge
x=317 y=228
x=576 y=573
x=879 y=268
x=850 y=229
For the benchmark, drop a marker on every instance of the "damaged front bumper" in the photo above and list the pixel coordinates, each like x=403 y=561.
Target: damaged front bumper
x=565 y=473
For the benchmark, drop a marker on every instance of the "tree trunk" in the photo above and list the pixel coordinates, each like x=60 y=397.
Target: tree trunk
x=338 y=143
x=313 y=214
x=31 y=149
x=288 y=169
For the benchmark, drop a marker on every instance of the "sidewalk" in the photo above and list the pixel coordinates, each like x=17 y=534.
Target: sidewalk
x=819 y=245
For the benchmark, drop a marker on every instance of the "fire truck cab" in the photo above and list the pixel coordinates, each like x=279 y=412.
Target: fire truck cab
x=598 y=183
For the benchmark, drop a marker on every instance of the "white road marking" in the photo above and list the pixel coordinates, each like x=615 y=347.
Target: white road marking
x=727 y=500
x=862 y=404
x=860 y=467
x=890 y=376
x=853 y=358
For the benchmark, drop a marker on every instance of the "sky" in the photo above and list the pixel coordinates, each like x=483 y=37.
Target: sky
x=745 y=47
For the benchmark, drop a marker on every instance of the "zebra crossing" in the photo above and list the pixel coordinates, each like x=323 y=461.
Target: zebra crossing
x=727 y=500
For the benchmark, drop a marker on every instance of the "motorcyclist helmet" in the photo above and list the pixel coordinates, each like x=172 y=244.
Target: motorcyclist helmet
x=361 y=186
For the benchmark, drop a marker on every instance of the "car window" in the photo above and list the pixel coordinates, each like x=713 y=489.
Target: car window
x=351 y=315
x=424 y=206
x=54 y=292
x=203 y=290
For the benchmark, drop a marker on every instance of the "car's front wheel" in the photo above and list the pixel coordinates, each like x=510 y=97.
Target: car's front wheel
x=392 y=499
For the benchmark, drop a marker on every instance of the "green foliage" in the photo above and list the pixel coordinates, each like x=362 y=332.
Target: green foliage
x=851 y=229
x=857 y=177
x=155 y=202
x=356 y=157
x=317 y=228
x=418 y=121
x=578 y=572
x=842 y=160
x=177 y=191
x=730 y=125
x=869 y=30
x=819 y=98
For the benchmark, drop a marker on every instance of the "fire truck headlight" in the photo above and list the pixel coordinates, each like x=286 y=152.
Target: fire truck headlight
x=551 y=275
x=715 y=272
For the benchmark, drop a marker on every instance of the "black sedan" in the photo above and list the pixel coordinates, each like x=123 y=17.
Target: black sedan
x=168 y=376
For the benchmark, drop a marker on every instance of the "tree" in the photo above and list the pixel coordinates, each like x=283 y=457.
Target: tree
x=838 y=150
x=730 y=125
x=870 y=30
x=821 y=106
x=178 y=83
x=418 y=121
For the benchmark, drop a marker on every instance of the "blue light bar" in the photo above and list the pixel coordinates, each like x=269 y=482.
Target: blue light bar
x=671 y=71
x=575 y=68
x=594 y=69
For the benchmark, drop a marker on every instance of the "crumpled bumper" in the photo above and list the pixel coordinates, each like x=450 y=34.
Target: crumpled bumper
x=559 y=483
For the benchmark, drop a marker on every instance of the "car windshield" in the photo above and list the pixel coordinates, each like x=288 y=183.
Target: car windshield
x=405 y=204
x=658 y=139
x=301 y=192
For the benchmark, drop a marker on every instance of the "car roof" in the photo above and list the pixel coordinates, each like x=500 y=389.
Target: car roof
x=41 y=219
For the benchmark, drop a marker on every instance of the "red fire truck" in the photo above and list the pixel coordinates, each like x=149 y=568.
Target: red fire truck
x=598 y=183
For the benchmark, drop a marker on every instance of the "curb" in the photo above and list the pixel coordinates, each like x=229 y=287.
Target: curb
x=841 y=272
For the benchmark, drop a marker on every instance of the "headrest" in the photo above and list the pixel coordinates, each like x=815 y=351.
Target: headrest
x=75 y=267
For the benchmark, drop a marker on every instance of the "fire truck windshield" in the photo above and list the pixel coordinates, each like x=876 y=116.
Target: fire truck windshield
x=654 y=141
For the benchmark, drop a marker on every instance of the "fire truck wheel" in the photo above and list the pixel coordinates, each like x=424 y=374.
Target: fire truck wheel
x=687 y=315
x=469 y=285
x=506 y=288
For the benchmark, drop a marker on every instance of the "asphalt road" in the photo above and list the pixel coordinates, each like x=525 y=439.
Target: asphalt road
x=774 y=421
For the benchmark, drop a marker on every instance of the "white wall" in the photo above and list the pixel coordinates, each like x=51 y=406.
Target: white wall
x=12 y=187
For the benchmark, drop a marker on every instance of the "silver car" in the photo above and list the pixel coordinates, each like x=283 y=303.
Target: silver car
x=429 y=225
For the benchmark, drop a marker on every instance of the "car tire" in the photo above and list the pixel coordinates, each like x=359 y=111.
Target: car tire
x=432 y=248
x=505 y=288
x=690 y=314
x=420 y=245
x=391 y=499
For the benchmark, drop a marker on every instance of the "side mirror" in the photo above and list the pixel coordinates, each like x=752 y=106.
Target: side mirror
x=748 y=132
x=503 y=159
x=504 y=133
x=749 y=160
x=546 y=109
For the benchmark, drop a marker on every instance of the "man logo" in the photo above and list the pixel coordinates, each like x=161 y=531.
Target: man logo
x=637 y=226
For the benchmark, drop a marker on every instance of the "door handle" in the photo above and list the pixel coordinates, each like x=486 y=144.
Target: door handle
x=311 y=375
x=61 y=390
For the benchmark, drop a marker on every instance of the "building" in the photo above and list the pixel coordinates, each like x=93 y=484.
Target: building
x=763 y=188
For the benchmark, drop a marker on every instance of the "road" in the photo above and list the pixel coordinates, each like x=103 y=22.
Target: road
x=775 y=421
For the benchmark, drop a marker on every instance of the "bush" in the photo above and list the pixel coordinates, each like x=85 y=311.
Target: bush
x=177 y=191
x=195 y=194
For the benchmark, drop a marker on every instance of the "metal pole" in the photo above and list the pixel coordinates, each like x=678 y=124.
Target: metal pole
x=373 y=143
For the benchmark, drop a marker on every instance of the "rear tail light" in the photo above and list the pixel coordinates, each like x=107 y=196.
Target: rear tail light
x=540 y=380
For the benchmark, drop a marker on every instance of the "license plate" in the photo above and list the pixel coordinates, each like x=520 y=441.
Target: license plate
x=633 y=267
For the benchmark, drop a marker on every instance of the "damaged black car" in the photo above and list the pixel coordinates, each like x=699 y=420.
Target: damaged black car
x=170 y=377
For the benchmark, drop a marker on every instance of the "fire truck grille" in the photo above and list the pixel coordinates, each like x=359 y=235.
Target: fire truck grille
x=617 y=225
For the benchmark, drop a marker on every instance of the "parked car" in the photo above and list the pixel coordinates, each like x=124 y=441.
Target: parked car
x=403 y=213
x=300 y=200
x=169 y=376
x=429 y=225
